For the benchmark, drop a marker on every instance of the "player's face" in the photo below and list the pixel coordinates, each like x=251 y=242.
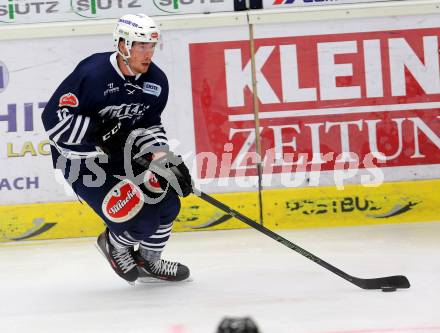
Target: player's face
x=141 y=54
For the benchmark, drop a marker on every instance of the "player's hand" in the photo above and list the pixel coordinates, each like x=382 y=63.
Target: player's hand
x=171 y=171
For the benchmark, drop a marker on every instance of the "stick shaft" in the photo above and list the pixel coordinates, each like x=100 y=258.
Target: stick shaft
x=273 y=235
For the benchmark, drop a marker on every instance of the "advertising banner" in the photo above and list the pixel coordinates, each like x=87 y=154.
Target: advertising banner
x=347 y=101
x=279 y=4
x=328 y=101
x=364 y=95
x=398 y=202
x=34 y=11
x=27 y=83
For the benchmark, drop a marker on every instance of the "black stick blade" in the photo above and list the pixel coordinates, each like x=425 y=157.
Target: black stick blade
x=397 y=281
x=385 y=283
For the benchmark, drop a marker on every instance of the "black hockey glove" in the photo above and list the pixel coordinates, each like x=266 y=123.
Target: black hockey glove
x=109 y=136
x=171 y=170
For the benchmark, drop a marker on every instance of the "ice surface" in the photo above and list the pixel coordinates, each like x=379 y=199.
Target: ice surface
x=67 y=286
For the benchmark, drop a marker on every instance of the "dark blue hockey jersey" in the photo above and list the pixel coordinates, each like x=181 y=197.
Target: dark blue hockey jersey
x=97 y=90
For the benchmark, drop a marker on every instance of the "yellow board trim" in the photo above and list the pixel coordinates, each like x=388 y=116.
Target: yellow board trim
x=400 y=202
x=73 y=219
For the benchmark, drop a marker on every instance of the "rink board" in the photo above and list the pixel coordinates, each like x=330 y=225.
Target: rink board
x=73 y=219
x=329 y=82
x=210 y=108
x=283 y=208
x=354 y=205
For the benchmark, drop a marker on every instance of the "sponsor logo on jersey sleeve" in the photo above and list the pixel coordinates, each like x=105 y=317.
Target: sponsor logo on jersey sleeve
x=152 y=88
x=123 y=202
x=69 y=99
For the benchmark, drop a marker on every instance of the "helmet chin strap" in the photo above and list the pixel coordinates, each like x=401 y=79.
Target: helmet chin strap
x=125 y=59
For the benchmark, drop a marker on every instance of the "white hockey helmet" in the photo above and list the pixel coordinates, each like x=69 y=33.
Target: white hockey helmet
x=135 y=28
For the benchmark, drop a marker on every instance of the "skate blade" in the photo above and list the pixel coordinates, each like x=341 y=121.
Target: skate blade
x=153 y=280
x=100 y=251
x=133 y=284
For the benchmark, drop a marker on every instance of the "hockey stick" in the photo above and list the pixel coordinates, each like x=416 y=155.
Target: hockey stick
x=389 y=283
x=384 y=283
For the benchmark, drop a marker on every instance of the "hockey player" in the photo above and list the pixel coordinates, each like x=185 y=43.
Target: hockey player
x=112 y=101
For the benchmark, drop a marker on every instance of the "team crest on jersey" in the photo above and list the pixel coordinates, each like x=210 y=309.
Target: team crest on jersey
x=151 y=183
x=123 y=202
x=69 y=99
x=152 y=88
x=124 y=111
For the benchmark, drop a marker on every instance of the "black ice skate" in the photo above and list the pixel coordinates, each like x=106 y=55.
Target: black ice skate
x=121 y=260
x=161 y=269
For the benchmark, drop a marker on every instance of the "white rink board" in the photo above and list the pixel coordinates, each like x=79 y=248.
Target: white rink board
x=347 y=25
x=32 y=79
x=284 y=4
x=29 y=11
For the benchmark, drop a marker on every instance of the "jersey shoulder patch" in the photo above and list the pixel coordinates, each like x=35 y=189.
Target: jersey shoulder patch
x=152 y=88
x=68 y=99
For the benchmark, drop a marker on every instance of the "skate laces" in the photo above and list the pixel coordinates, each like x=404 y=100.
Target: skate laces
x=124 y=259
x=164 y=267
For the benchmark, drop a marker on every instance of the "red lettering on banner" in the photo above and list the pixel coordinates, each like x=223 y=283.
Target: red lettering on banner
x=365 y=93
